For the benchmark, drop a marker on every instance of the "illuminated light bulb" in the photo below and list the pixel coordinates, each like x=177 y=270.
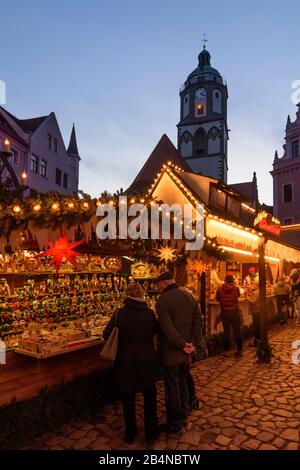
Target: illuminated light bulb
x=6 y=146
x=24 y=175
x=16 y=209
x=55 y=206
x=98 y=203
x=132 y=200
x=142 y=200
x=85 y=205
x=169 y=163
x=37 y=207
x=71 y=205
x=111 y=203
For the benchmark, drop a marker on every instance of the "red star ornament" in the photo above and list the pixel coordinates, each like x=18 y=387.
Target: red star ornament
x=61 y=249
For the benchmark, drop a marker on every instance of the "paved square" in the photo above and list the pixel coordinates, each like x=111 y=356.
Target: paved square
x=244 y=405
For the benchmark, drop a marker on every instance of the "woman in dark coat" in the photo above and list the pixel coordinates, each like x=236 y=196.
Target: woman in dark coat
x=136 y=367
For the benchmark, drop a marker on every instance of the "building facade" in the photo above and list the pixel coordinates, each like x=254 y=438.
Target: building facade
x=202 y=130
x=39 y=157
x=286 y=175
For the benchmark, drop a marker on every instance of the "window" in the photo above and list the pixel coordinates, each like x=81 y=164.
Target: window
x=201 y=142
x=14 y=158
x=58 y=177
x=49 y=141
x=288 y=192
x=43 y=168
x=34 y=163
x=288 y=221
x=55 y=145
x=65 y=182
x=295 y=148
x=186 y=106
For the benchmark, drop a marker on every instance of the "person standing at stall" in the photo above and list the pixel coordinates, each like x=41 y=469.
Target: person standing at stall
x=228 y=295
x=180 y=327
x=136 y=368
x=282 y=293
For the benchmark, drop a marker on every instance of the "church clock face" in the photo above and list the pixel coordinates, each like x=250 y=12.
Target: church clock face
x=200 y=102
x=200 y=94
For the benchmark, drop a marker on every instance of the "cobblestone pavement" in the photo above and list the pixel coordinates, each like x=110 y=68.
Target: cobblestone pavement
x=244 y=405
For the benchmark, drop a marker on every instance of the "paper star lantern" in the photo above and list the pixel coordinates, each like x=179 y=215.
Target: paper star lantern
x=199 y=266
x=167 y=254
x=62 y=250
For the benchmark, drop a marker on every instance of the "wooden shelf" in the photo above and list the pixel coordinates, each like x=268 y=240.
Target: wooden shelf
x=89 y=343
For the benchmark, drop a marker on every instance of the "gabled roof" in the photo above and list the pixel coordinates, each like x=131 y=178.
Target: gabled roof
x=28 y=125
x=163 y=152
x=246 y=189
x=31 y=125
x=7 y=129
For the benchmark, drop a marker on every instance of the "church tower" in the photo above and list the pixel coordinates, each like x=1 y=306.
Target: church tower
x=202 y=130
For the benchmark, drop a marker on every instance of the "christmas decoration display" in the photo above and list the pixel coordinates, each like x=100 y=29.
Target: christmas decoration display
x=61 y=250
x=140 y=270
x=112 y=264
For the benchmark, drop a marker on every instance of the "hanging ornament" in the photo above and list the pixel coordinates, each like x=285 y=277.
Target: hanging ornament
x=62 y=250
x=111 y=264
x=199 y=266
x=167 y=254
x=140 y=270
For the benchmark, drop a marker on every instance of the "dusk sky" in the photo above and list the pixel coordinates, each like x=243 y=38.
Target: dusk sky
x=115 y=68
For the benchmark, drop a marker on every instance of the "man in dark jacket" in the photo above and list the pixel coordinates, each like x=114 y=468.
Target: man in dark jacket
x=180 y=327
x=228 y=296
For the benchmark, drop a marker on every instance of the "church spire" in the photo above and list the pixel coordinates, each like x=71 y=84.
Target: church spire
x=73 y=149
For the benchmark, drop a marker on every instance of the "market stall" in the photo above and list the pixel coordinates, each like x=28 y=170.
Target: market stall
x=59 y=287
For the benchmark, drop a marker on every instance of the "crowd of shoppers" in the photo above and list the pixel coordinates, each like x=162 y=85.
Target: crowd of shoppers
x=159 y=344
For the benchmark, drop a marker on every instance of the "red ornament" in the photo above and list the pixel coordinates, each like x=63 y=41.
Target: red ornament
x=61 y=249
